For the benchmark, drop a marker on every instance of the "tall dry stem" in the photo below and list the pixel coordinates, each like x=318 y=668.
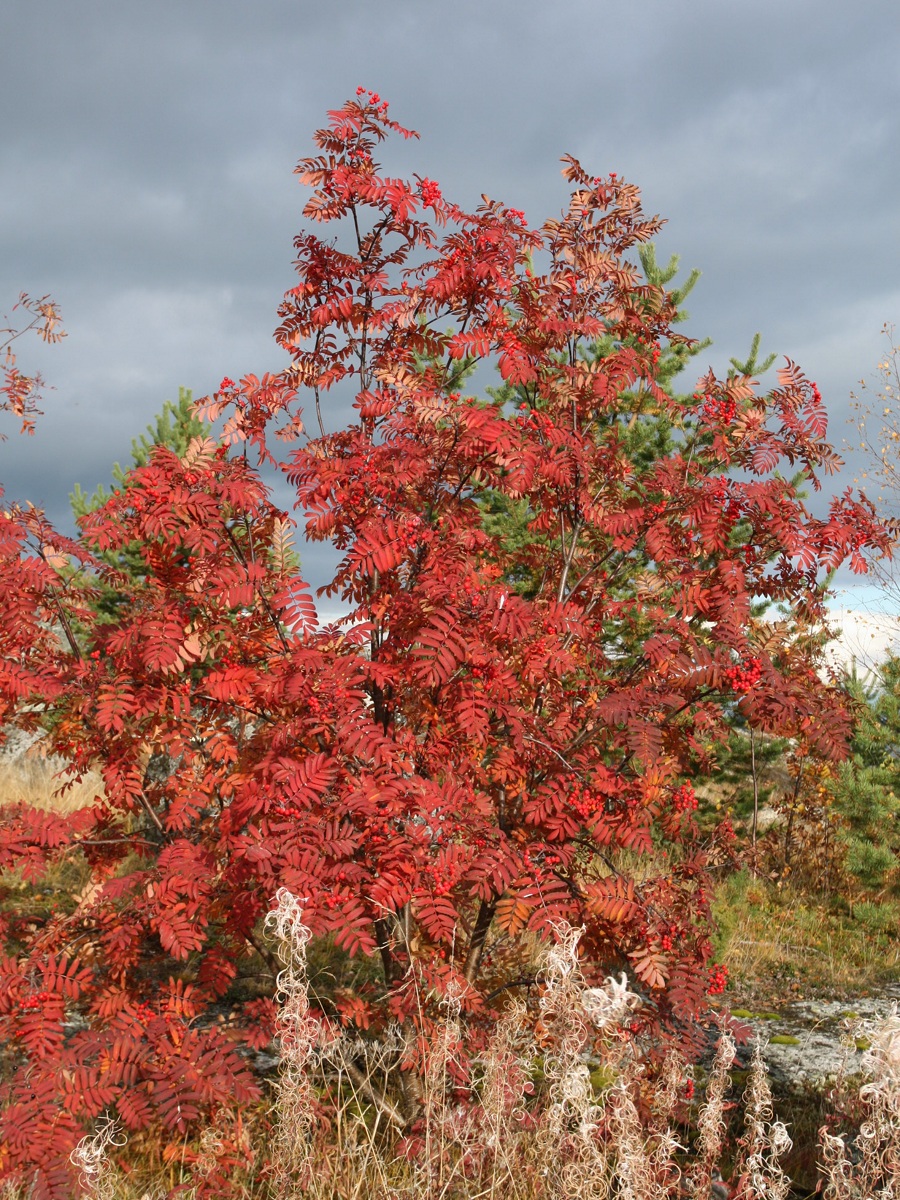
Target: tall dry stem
x=298 y=1034
x=765 y=1140
x=507 y=1065
x=97 y=1175
x=645 y=1167
x=447 y=1123
x=668 y=1091
x=711 y=1121
x=576 y=1162
x=870 y=1169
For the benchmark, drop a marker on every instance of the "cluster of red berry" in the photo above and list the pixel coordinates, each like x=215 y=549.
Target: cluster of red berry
x=718 y=979
x=287 y=810
x=744 y=676
x=531 y=419
x=722 y=409
x=143 y=497
x=410 y=533
x=438 y=880
x=666 y=942
x=684 y=799
x=359 y=154
x=380 y=833
x=719 y=490
x=35 y=1001
x=363 y=484
x=143 y=1013
x=225 y=385
x=431 y=193
x=374 y=99
x=141 y=501
x=483 y=671
x=539 y=857
x=652 y=347
x=583 y=801
x=726 y=831
x=729 y=508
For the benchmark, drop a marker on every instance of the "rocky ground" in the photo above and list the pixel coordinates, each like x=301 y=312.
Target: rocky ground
x=808 y=1044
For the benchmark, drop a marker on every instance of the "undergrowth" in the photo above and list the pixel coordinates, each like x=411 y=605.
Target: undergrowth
x=597 y=1125
x=552 y=1112
x=781 y=942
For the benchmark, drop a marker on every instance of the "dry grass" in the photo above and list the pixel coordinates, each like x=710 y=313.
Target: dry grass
x=32 y=777
x=781 y=939
x=567 y=1141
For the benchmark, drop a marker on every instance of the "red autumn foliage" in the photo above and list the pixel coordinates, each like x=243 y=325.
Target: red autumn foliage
x=458 y=765
x=20 y=393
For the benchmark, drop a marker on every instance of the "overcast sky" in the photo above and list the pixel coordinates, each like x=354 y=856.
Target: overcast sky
x=146 y=174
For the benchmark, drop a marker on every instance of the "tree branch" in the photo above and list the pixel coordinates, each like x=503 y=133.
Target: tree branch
x=265 y=954
x=276 y=624
x=478 y=939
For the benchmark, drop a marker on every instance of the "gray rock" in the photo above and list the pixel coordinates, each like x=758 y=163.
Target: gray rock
x=768 y=818
x=263 y=1063
x=810 y=1043
x=17 y=742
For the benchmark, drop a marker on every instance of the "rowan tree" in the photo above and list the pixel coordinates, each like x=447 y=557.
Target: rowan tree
x=455 y=767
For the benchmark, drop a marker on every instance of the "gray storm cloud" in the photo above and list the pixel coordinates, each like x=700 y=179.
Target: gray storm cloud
x=148 y=151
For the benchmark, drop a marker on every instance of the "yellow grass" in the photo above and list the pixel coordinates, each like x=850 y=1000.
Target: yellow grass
x=778 y=938
x=33 y=778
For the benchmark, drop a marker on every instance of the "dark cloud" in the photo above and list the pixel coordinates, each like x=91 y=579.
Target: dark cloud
x=146 y=172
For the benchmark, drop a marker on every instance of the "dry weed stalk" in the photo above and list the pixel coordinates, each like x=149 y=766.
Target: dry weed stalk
x=504 y=1088
x=711 y=1121
x=869 y=1169
x=298 y=1034
x=97 y=1175
x=445 y=1121
x=576 y=1162
x=764 y=1141
x=668 y=1091
x=645 y=1167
